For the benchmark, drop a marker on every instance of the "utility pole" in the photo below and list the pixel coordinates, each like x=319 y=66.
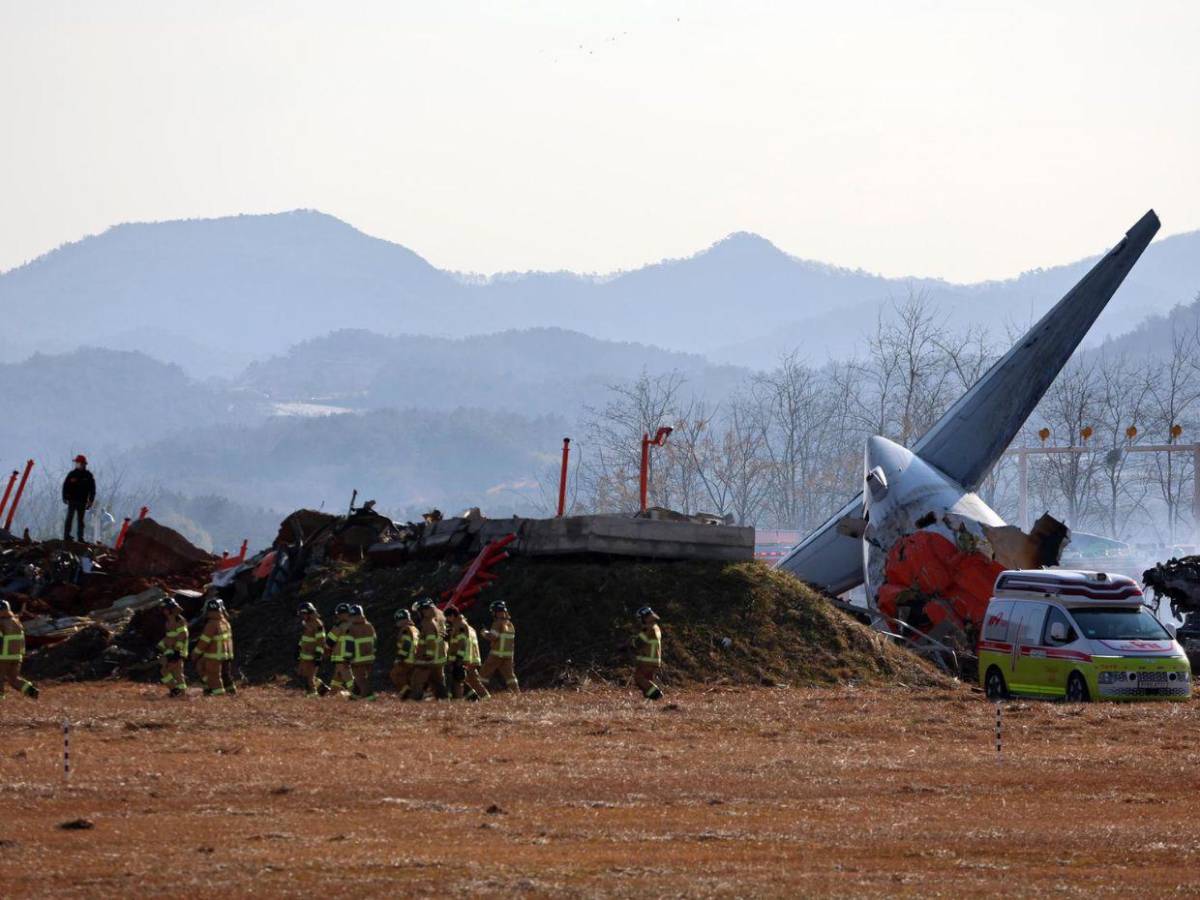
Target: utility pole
x=1023 y=488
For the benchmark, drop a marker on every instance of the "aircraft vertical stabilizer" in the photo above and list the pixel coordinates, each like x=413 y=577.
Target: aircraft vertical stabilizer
x=968 y=439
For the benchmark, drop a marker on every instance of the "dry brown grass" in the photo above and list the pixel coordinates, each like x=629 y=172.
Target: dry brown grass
x=738 y=792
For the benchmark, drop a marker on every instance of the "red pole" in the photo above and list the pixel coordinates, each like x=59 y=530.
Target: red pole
x=12 y=510
x=143 y=512
x=121 y=536
x=660 y=438
x=242 y=552
x=645 y=477
x=8 y=490
x=562 y=479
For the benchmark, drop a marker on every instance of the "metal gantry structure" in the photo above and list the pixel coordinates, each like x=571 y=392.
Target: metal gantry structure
x=1023 y=453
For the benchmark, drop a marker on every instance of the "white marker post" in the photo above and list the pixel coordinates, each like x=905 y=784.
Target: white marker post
x=999 y=744
x=66 y=750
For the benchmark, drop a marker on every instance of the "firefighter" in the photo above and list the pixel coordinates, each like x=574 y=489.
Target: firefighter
x=442 y=659
x=78 y=493
x=361 y=637
x=648 y=645
x=335 y=639
x=173 y=648
x=226 y=645
x=464 y=658
x=407 y=638
x=503 y=639
x=213 y=647
x=12 y=653
x=310 y=651
x=428 y=670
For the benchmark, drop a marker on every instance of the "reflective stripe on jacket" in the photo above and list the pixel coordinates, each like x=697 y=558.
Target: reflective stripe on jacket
x=215 y=643
x=430 y=649
x=310 y=641
x=364 y=649
x=649 y=643
x=464 y=647
x=176 y=638
x=406 y=645
x=333 y=639
x=505 y=643
x=12 y=646
x=224 y=642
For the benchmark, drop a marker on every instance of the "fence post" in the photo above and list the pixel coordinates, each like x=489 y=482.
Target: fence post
x=66 y=728
x=999 y=735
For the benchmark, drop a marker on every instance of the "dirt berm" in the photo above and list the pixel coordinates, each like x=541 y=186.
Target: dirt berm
x=575 y=620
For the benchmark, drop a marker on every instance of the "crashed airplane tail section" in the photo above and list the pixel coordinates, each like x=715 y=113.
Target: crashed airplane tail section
x=967 y=440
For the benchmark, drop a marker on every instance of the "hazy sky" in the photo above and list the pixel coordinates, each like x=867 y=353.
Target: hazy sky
x=966 y=140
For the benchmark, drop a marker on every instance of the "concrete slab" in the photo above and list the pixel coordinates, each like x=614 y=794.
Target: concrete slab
x=623 y=536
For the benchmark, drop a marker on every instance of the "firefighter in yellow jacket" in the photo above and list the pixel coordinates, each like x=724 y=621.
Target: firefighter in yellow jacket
x=173 y=648
x=227 y=652
x=335 y=639
x=214 y=648
x=430 y=657
x=361 y=637
x=12 y=653
x=407 y=638
x=647 y=643
x=503 y=638
x=464 y=658
x=310 y=651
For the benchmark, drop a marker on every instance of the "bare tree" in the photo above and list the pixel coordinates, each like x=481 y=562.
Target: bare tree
x=1070 y=405
x=609 y=474
x=790 y=402
x=1123 y=401
x=910 y=370
x=1175 y=388
x=730 y=463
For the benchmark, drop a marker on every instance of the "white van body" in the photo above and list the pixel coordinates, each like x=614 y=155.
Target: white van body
x=1077 y=635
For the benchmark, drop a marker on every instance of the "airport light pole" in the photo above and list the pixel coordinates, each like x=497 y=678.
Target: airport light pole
x=660 y=438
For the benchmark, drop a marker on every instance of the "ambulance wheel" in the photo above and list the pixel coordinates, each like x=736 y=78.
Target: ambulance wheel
x=1077 y=689
x=994 y=686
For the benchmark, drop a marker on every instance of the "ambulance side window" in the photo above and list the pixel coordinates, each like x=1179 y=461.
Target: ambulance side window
x=997 y=619
x=1057 y=615
x=1033 y=620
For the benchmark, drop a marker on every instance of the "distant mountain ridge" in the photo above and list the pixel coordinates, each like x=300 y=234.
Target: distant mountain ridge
x=124 y=397
x=213 y=293
x=532 y=371
x=100 y=401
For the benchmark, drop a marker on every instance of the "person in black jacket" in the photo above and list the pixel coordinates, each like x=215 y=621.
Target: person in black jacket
x=79 y=493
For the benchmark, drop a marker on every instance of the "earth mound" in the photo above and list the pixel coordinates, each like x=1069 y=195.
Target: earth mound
x=723 y=623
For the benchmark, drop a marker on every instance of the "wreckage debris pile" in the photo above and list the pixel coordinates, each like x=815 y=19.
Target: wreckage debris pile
x=88 y=610
x=153 y=549
x=725 y=622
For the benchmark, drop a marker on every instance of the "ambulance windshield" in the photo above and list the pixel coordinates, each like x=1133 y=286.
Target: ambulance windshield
x=1123 y=623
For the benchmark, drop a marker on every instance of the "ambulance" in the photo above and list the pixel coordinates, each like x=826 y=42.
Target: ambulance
x=1077 y=635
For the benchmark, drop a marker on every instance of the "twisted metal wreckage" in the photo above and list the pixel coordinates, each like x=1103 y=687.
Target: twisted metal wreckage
x=924 y=544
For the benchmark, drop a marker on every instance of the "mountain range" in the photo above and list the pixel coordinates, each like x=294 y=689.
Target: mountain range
x=229 y=370
x=215 y=294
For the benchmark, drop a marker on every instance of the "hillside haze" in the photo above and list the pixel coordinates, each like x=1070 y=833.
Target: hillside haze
x=532 y=371
x=214 y=294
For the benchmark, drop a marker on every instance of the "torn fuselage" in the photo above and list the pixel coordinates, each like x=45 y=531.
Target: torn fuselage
x=932 y=549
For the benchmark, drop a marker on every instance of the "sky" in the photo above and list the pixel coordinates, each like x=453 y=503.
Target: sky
x=961 y=140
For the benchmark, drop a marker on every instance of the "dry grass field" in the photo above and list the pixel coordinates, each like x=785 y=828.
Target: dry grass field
x=751 y=792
